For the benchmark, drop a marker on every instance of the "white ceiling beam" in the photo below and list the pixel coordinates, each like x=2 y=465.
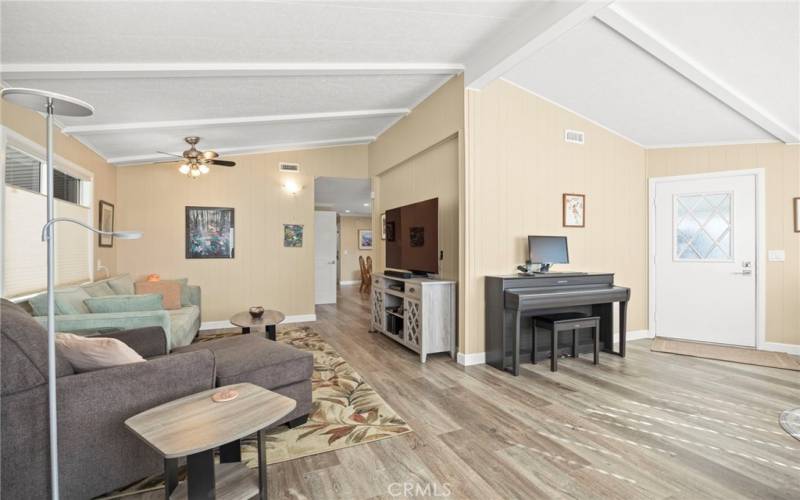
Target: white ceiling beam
x=185 y=70
x=266 y=148
x=540 y=26
x=618 y=20
x=110 y=128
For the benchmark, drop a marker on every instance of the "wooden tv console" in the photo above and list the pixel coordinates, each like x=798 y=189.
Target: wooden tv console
x=419 y=313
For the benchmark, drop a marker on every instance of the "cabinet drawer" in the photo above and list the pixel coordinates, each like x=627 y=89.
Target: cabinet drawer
x=414 y=290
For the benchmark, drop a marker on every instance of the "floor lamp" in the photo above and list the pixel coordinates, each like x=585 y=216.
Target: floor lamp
x=52 y=104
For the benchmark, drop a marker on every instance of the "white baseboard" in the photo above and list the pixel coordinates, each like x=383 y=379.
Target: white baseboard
x=217 y=325
x=476 y=358
x=778 y=347
x=350 y=282
x=638 y=334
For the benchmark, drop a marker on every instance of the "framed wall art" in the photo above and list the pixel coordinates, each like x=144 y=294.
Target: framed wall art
x=293 y=235
x=574 y=210
x=106 y=223
x=209 y=233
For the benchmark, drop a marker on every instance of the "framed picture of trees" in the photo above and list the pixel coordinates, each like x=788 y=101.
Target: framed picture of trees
x=209 y=233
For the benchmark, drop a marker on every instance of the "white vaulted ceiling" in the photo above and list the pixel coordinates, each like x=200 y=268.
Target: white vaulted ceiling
x=259 y=76
x=678 y=73
x=244 y=76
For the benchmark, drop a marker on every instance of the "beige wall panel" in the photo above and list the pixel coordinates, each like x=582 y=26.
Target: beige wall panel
x=518 y=168
x=433 y=120
x=349 y=269
x=782 y=166
x=430 y=174
x=152 y=198
x=32 y=126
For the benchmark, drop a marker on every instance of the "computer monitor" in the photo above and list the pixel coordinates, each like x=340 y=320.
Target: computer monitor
x=547 y=250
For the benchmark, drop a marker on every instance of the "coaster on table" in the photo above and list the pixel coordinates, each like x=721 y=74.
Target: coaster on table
x=226 y=395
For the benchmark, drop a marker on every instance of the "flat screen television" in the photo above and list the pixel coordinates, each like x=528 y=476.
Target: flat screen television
x=412 y=237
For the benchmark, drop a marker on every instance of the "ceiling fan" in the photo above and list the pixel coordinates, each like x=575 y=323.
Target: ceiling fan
x=195 y=162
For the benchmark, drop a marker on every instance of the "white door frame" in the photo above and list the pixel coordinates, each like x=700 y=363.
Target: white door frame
x=761 y=242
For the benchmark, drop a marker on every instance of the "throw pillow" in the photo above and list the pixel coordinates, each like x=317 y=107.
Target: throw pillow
x=122 y=284
x=93 y=353
x=98 y=289
x=169 y=290
x=67 y=301
x=125 y=303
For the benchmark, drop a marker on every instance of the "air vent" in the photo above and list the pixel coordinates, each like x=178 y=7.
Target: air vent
x=574 y=136
x=289 y=167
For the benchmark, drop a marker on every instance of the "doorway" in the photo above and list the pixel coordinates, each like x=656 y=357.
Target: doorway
x=348 y=201
x=706 y=257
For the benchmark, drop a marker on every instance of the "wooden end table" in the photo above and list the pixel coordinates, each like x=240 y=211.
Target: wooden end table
x=194 y=425
x=269 y=321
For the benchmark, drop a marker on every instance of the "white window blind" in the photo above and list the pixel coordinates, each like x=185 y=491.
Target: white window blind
x=25 y=255
x=24 y=252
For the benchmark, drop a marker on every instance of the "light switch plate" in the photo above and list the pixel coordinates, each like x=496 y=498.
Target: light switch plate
x=776 y=255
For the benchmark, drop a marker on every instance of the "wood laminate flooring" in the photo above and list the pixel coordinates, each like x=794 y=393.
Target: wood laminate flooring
x=652 y=425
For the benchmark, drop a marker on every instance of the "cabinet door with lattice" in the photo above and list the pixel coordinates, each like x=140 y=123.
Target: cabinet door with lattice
x=413 y=324
x=377 y=309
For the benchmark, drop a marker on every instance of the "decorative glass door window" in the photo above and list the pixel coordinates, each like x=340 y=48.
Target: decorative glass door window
x=703 y=227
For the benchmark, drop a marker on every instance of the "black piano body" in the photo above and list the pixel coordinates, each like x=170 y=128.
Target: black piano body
x=512 y=302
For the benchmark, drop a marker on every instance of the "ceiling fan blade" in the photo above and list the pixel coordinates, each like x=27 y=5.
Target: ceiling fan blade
x=222 y=163
x=169 y=154
x=210 y=155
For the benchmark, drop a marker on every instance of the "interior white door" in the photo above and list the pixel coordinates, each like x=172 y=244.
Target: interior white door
x=705 y=259
x=325 y=257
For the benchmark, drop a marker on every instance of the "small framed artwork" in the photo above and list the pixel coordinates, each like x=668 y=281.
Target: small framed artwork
x=106 y=223
x=574 y=210
x=293 y=235
x=365 y=239
x=209 y=233
x=796 y=203
x=383 y=226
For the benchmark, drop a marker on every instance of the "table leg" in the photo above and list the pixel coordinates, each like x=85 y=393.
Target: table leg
x=272 y=332
x=515 y=353
x=170 y=476
x=623 y=326
x=230 y=452
x=245 y=330
x=262 y=467
x=200 y=475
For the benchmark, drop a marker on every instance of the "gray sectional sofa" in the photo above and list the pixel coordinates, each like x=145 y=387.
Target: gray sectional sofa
x=97 y=452
x=181 y=325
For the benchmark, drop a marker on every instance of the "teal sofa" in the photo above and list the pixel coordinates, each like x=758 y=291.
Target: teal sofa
x=180 y=325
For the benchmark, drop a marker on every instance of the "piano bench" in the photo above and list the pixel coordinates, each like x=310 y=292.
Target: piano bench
x=558 y=323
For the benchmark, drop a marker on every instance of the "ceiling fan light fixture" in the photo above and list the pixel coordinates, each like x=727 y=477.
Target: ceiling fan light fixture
x=195 y=173
x=184 y=169
x=204 y=169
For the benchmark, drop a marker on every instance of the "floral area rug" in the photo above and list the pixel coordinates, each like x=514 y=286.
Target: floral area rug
x=346 y=412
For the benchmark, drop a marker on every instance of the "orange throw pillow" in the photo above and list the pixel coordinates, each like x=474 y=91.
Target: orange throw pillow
x=169 y=290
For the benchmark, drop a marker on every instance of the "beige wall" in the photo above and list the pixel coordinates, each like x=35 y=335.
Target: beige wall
x=31 y=125
x=518 y=167
x=153 y=198
x=782 y=166
x=422 y=157
x=349 y=269
x=430 y=174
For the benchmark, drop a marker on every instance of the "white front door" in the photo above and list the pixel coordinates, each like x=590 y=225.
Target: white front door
x=325 y=257
x=705 y=258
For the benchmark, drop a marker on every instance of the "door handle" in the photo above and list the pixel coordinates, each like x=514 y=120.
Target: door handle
x=332 y=262
x=744 y=272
